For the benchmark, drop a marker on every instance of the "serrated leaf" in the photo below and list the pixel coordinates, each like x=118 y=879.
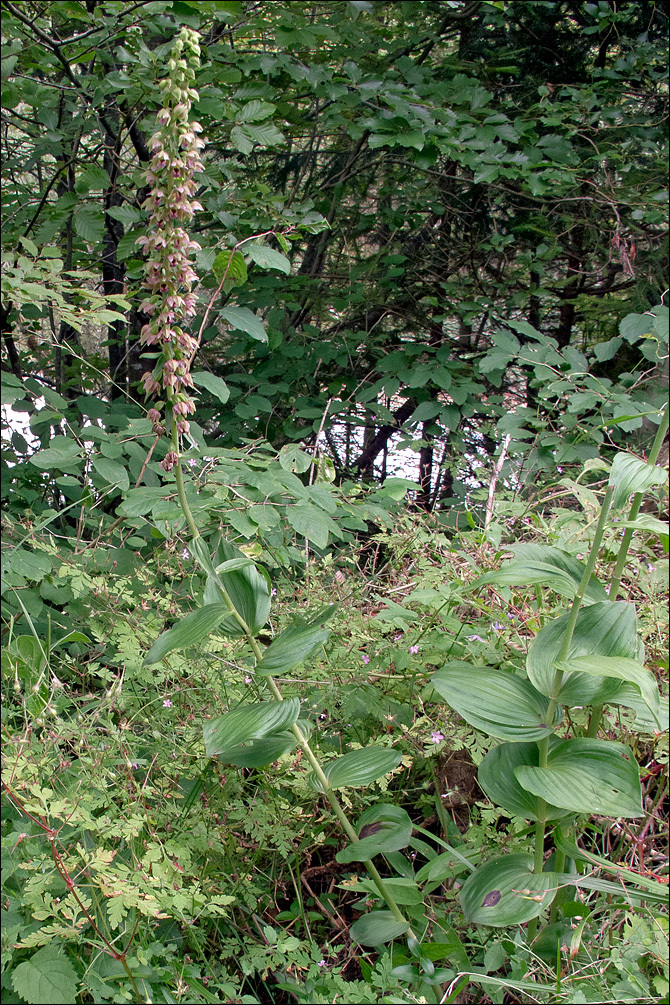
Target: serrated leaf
x=268 y=258
x=47 y=978
x=190 y=630
x=215 y=385
x=127 y=215
x=225 y=734
x=245 y=320
x=89 y=223
x=232 y=266
x=255 y=111
x=358 y=767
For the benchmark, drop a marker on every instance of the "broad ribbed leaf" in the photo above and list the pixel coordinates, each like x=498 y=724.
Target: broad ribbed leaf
x=623 y=669
x=608 y=629
x=250 y=722
x=358 y=767
x=496 y=777
x=192 y=629
x=645 y=722
x=538 y=563
x=259 y=753
x=383 y=828
x=506 y=891
x=629 y=474
x=295 y=644
x=405 y=891
x=496 y=702
x=377 y=928
x=248 y=588
x=588 y=776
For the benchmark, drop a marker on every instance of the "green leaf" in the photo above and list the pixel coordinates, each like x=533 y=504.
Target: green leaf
x=588 y=776
x=248 y=589
x=311 y=522
x=382 y=828
x=358 y=767
x=503 y=892
x=213 y=384
x=245 y=137
x=295 y=644
x=93 y=177
x=89 y=223
x=622 y=668
x=127 y=215
x=608 y=629
x=141 y=501
x=190 y=630
x=55 y=457
x=377 y=928
x=496 y=776
x=292 y=458
x=268 y=258
x=538 y=563
x=245 y=320
x=404 y=891
x=111 y=472
x=225 y=734
x=47 y=978
x=496 y=702
x=646 y=522
x=255 y=111
x=230 y=264
x=629 y=474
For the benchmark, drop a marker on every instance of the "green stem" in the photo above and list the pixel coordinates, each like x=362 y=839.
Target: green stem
x=615 y=582
x=543 y=744
x=594 y=721
x=181 y=489
x=303 y=742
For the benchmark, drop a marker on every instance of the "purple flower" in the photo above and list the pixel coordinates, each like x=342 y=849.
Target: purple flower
x=321 y=963
x=273 y=592
x=167 y=703
x=396 y=638
x=365 y=658
x=511 y=616
x=414 y=649
x=471 y=638
x=497 y=627
x=324 y=715
x=436 y=736
x=247 y=679
x=559 y=469
x=185 y=553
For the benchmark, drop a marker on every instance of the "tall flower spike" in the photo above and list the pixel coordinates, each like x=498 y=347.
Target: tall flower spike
x=168 y=273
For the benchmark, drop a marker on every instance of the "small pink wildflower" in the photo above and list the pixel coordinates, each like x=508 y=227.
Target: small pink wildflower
x=365 y=658
x=247 y=679
x=414 y=649
x=436 y=736
x=167 y=703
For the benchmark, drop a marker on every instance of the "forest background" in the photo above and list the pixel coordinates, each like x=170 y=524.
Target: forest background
x=431 y=294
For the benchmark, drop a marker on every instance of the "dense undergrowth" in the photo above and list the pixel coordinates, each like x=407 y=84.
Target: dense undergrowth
x=119 y=831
